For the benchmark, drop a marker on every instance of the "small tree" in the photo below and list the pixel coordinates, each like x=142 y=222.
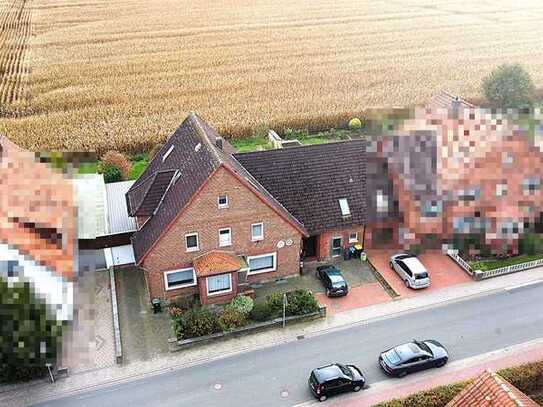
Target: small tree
x=509 y=86
x=116 y=160
x=30 y=335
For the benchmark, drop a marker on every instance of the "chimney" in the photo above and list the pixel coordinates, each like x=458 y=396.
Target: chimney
x=218 y=142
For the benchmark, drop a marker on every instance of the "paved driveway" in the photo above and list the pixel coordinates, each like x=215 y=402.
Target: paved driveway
x=443 y=271
x=364 y=289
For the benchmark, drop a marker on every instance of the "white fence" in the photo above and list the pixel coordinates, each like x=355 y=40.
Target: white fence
x=482 y=275
x=453 y=254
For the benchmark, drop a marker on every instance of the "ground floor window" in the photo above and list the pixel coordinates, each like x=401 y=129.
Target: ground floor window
x=179 y=278
x=219 y=284
x=353 y=237
x=337 y=246
x=262 y=263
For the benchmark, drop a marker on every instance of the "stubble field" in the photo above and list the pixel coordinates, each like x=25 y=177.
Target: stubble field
x=82 y=75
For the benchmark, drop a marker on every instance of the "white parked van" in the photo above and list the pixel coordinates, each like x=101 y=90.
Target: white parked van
x=410 y=270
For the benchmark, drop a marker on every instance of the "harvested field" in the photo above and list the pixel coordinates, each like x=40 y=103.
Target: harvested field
x=122 y=74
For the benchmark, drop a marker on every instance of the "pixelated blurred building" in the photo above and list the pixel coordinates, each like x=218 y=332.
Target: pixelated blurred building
x=37 y=227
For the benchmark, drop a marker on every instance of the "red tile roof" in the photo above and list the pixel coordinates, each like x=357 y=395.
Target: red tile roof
x=216 y=262
x=489 y=389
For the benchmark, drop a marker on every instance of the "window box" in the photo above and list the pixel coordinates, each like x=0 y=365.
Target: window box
x=219 y=285
x=191 y=242
x=257 y=232
x=225 y=237
x=263 y=263
x=181 y=278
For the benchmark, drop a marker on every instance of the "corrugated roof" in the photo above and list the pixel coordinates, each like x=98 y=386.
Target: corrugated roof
x=90 y=196
x=117 y=213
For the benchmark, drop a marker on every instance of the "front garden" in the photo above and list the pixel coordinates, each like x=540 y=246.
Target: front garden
x=194 y=321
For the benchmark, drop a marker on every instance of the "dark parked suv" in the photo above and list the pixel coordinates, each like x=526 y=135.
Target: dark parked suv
x=335 y=378
x=333 y=281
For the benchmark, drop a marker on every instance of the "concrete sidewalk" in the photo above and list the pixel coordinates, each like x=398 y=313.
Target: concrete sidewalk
x=84 y=381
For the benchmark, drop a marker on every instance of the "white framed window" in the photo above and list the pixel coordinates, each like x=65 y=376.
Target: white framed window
x=501 y=189
x=191 y=242
x=353 y=237
x=225 y=237
x=257 y=231
x=344 y=206
x=179 y=278
x=263 y=263
x=222 y=201
x=217 y=285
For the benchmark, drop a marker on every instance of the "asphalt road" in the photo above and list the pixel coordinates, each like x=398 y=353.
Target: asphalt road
x=277 y=376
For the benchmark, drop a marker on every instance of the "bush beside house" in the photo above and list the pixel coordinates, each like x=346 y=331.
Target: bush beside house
x=527 y=378
x=193 y=323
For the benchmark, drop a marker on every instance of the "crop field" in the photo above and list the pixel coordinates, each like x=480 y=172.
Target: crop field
x=122 y=74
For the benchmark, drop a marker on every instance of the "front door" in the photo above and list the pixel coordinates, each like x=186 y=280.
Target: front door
x=310 y=246
x=337 y=246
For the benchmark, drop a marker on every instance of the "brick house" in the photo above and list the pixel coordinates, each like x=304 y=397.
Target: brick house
x=211 y=222
x=206 y=226
x=458 y=171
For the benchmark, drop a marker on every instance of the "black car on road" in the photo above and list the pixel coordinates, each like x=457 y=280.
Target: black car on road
x=413 y=357
x=335 y=378
x=333 y=281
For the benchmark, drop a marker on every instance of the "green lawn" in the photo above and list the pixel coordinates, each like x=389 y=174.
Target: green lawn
x=496 y=264
x=250 y=144
x=139 y=163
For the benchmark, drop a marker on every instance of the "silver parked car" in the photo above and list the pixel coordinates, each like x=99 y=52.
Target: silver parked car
x=410 y=270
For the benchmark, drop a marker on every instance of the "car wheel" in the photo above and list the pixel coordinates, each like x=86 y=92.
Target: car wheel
x=328 y=292
x=406 y=282
x=356 y=388
x=401 y=374
x=322 y=398
x=441 y=362
x=390 y=264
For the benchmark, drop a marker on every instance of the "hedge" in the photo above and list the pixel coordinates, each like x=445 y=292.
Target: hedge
x=527 y=378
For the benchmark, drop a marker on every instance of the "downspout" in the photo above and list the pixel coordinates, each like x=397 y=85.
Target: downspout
x=364 y=238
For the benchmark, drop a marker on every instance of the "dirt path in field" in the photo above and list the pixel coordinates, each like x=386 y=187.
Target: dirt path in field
x=15 y=33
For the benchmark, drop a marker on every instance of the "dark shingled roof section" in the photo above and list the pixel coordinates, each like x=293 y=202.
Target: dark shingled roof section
x=195 y=157
x=309 y=181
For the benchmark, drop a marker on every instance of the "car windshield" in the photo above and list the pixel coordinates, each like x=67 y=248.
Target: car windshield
x=346 y=371
x=421 y=276
x=336 y=279
x=392 y=357
x=424 y=347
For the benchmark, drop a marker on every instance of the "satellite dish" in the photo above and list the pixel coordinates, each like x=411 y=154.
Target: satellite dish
x=280 y=244
x=289 y=242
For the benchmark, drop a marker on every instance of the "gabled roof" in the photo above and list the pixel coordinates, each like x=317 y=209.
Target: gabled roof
x=178 y=171
x=491 y=390
x=310 y=181
x=216 y=262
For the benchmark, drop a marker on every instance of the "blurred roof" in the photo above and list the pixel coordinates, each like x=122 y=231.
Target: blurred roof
x=117 y=213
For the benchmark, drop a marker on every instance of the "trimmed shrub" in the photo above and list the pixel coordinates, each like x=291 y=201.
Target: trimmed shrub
x=178 y=321
x=355 y=123
x=437 y=397
x=261 y=312
x=200 y=323
x=275 y=302
x=232 y=318
x=301 y=302
x=531 y=244
x=111 y=174
x=526 y=378
x=119 y=161
x=243 y=304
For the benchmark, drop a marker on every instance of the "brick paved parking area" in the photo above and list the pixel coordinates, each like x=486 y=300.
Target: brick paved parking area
x=364 y=289
x=88 y=342
x=442 y=270
x=144 y=335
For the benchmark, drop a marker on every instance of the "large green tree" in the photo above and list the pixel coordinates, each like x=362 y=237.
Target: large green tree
x=509 y=86
x=30 y=335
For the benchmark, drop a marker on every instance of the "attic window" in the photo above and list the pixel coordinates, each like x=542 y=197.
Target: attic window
x=165 y=156
x=344 y=206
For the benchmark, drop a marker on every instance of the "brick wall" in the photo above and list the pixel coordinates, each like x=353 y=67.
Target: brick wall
x=324 y=242
x=203 y=216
